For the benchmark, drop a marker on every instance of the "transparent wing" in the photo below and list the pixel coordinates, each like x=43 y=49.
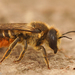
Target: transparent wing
x=19 y=26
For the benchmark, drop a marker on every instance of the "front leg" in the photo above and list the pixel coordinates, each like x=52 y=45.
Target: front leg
x=44 y=55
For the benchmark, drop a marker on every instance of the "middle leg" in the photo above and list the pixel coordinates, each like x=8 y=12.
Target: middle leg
x=23 y=52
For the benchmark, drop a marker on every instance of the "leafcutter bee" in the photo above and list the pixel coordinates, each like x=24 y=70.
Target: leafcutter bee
x=34 y=34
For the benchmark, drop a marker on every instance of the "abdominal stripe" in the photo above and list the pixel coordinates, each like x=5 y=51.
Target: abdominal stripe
x=5 y=33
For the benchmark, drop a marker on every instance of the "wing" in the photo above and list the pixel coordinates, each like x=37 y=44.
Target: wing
x=19 y=26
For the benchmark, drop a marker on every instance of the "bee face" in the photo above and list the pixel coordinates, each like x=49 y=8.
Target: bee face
x=52 y=39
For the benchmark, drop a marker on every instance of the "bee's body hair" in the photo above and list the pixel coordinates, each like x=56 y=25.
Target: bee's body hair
x=34 y=34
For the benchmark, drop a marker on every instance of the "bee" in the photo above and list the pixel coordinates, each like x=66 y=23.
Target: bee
x=34 y=34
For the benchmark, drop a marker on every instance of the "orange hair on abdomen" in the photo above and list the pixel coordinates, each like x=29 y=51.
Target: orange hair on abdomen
x=5 y=42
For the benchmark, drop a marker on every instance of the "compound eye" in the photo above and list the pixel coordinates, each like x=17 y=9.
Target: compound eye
x=52 y=37
x=53 y=43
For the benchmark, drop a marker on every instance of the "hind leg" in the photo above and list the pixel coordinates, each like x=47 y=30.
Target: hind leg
x=10 y=49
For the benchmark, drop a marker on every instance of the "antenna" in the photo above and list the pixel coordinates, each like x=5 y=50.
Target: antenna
x=66 y=36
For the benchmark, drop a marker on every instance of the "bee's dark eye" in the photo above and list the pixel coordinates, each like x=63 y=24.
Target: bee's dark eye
x=52 y=36
x=52 y=39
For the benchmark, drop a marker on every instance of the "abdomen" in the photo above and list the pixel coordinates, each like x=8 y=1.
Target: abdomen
x=5 y=42
x=5 y=39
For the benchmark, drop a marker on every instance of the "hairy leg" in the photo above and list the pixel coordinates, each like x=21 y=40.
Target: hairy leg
x=23 y=52
x=45 y=56
x=10 y=49
x=42 y=49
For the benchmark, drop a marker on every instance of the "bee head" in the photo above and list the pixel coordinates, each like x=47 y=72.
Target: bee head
x=52 y=38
